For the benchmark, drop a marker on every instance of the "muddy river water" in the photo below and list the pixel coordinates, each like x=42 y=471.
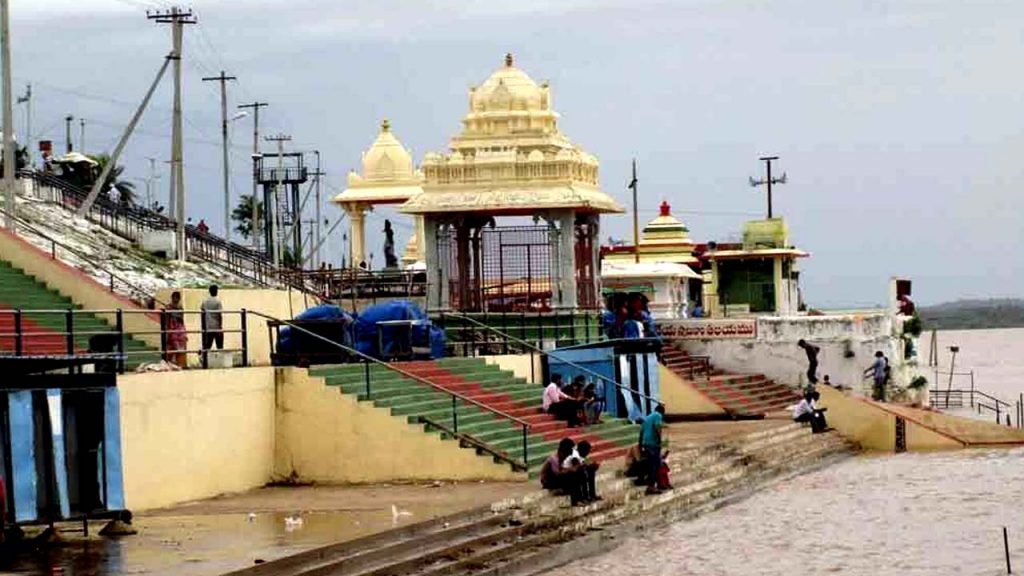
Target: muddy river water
x=909 y=514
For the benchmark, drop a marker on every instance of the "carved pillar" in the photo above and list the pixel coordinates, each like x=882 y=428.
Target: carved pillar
x=437 y=275
x=357 y=231
x=566 y=244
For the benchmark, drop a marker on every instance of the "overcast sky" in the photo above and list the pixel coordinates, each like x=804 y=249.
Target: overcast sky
x=898 y=123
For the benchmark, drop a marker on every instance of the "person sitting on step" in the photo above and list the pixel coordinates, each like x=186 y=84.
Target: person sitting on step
x=593 y=405
x=807 y=411
x=556 y=476
x=559 y=404
x=636 y=467
x=589 y=468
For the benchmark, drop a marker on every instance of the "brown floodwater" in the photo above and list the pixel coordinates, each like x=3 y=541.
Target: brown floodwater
x=907 y=515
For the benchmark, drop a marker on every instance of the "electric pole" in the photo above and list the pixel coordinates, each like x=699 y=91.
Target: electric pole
x=81 y=134
x=67 y=131
x=768 y=181
x=10 y=163
x=636 y=218
x=27 y=101
x=224 y=144
x=316 y=225
x=255 y=226
x=275 y=243
x=177 y=19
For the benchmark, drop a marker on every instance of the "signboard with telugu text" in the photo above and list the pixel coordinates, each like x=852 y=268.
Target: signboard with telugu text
x=724 y=329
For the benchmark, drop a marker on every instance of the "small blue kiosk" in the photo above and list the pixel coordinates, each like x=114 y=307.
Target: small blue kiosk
x=631 y=362
x=61 y=442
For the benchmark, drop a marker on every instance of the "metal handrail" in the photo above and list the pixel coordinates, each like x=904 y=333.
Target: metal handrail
x=368 y=359
x=53 y=254
x=537 y=349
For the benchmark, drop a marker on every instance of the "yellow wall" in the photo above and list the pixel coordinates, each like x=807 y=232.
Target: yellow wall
x=283 y=304
x=519 y=365
x=195 y=434
x=328 y=437
x=681 y=398
x=76 y=285
x=875 y=428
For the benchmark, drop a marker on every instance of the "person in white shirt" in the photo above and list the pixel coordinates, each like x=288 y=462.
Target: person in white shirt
x=808 y=411
x=559 y=404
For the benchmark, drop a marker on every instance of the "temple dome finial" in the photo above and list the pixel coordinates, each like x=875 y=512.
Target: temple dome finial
x=385 y=125
x=666 y=210
x=509 y=61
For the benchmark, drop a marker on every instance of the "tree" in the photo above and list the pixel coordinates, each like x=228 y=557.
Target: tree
x=242 y=215
x=125 y=189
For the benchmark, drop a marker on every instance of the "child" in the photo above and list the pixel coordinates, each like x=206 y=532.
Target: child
x=589 y=468
x=664 y=482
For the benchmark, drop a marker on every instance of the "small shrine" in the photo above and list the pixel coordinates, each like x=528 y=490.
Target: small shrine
x=664 y=270
x=388 y=177
x=511 y=160
x=758 y=276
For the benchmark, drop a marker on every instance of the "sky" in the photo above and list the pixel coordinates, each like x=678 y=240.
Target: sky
x=897 y=123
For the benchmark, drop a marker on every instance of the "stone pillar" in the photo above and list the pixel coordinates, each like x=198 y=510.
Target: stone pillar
x=357 y=232
x=437 y=281
x=781 y=295
x=566 y=243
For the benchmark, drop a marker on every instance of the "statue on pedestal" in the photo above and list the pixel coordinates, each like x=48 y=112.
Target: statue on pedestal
x=390 y=260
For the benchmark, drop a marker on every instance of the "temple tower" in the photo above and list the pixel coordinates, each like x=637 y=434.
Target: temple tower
x=510 y=160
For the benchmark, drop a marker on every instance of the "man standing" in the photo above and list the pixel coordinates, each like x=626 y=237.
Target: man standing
x=213 y=326
x=650 y=444
x=877 y=371
x=812 y=360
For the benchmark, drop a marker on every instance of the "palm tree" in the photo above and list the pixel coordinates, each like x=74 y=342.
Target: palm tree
x=125 y=189
x=242 y=215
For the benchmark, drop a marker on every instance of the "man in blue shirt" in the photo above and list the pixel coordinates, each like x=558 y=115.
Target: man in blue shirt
x=650 y=444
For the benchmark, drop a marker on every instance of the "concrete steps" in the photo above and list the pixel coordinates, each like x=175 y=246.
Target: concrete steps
x=20 y=291
x=487 y=385
x=738 y=394
x=523 y=535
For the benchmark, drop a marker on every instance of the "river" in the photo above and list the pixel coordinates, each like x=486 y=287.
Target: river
x=909 y=514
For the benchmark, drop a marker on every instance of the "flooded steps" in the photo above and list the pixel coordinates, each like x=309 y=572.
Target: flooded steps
x=522 y=535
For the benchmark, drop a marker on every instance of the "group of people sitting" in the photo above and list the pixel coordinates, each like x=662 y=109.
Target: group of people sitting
x=571 y=470
x=577 y=403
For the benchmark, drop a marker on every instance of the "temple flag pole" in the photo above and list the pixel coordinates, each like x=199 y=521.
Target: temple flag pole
x=636 y=218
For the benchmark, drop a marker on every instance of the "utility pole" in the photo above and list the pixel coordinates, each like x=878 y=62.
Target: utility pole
x=177 y=19
x=768 y=181
x=636 y=218
x=224 y=144
x=255 y=227
x=27 y=101
x=10 y=163
x=81 y=134
x=275 y=243
x=149 y=182
x=316 y=225
x=67 y=132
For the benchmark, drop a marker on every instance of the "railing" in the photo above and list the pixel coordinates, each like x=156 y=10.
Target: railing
x=139 y=294
x=697 y=365
x=131 y=221
x=552 y=354
x=357 y=284
x=29 y=333
x=367 y=360
x=537 y=329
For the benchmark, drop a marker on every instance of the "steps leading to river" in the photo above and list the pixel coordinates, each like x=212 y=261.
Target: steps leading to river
x=523 y=535
x=737 y=394
x=488 y=385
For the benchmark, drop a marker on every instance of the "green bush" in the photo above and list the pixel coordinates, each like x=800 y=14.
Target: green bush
x=913 y=326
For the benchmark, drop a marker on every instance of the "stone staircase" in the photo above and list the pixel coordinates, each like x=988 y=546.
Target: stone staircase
x=20 y=291
x=538 y=532
x=489 y=385
x=737 y=394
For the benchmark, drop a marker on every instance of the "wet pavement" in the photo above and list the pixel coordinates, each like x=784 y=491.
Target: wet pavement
x=217 y=536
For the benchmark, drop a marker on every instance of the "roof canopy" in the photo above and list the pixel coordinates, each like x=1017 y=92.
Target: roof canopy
x=388 y=174
x=510 y=157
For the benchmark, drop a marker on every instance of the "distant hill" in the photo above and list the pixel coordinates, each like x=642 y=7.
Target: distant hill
x=972 y=314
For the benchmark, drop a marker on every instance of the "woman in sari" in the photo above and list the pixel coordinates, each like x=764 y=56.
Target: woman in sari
x=176 y=337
